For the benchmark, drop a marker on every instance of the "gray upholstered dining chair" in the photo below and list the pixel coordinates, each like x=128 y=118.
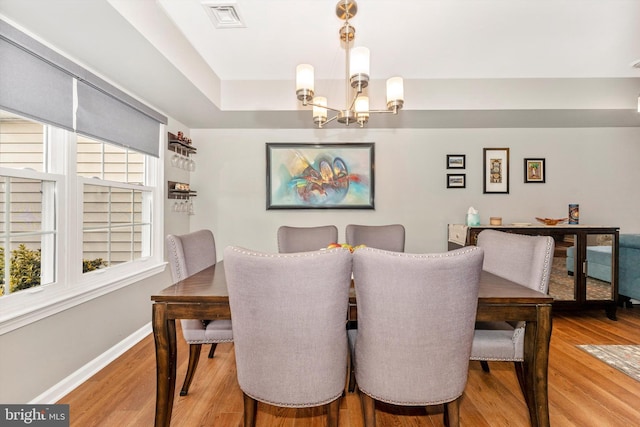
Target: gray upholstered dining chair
x=305 y=239
x=416 y=314
x=289 y=314
x=388 y=237
x=527 y=261
x=188 y=254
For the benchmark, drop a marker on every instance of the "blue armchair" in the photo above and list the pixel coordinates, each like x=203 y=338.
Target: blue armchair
x=629 y=268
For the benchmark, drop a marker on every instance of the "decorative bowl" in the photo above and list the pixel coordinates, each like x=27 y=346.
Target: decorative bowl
x=552 y=221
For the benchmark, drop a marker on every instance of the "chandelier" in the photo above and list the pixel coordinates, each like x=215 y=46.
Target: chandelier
x=357 y=79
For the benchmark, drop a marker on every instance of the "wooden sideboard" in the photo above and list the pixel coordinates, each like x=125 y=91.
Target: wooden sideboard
x=585 y=264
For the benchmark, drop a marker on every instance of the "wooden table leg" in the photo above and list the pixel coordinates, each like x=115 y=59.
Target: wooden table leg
x=164 y=332
x=536 y=363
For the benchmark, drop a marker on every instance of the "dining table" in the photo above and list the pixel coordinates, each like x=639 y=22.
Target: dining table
x=204 y=296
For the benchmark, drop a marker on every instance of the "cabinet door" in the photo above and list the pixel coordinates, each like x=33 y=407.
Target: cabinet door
x=598 y=268
x=565 y=270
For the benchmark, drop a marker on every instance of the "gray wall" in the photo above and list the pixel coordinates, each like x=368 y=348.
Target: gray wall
x=38 y=356
x=595 y=167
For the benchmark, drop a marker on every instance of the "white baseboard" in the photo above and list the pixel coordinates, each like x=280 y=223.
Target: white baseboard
x=68 y=384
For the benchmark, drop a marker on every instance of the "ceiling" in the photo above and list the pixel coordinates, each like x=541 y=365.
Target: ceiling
x=466 y=63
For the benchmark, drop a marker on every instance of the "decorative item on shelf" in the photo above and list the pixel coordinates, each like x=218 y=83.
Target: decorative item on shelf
x=356 y=108
x=551 y=221
x=473 y=217
x=574 y=213
x=495 y=220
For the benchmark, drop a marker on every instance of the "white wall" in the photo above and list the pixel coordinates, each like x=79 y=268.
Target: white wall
x=595 y=167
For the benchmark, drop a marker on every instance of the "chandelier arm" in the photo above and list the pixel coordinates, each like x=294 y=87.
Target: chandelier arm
x=331 y=119
x=357 y=93
x=392 y=111
x=326 y=107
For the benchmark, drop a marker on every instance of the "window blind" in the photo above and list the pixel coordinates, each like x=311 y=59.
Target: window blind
x=101 y=116
x=37 y=82
x=33 y=87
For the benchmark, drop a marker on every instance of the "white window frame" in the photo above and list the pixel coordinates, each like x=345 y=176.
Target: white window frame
x=72 y=287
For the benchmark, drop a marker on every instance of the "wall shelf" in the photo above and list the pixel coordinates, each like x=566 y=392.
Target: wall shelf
x=175 y=191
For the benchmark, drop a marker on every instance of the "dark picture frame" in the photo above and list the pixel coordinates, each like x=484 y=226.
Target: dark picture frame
x=535 y=171
x=496 y=170
x=320 y=176
x=456 y=180
x=456 y=161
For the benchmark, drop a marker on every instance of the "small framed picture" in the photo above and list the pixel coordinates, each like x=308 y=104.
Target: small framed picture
x=534 y=171
x=456 y=180
x=496 y=170
x=455 y=161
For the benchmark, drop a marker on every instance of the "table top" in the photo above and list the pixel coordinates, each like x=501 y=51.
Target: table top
x=210 y=286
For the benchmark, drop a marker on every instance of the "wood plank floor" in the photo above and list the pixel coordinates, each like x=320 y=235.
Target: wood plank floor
x=583 y=391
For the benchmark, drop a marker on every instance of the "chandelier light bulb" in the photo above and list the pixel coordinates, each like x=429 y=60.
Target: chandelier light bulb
x=362 y=105
x=359 y=61
x=304 y=83
x=304 y=77
x=395 y=92
x=319 y=113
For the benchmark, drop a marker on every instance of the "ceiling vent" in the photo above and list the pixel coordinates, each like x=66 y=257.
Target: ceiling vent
x=223 y=14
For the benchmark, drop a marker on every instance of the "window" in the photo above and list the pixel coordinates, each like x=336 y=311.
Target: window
x=116 y=205
x=111 y=213
x=27 y=207
x=67 y=201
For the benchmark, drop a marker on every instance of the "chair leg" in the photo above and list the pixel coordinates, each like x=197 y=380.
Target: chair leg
x=194 y=356
x=368 y=410
x=520 y=374
x=250 y=410
x=452 y=413
x=485 y=365
x=352 y=379
x=352 y=375
x=213 y=350
x=333 y=410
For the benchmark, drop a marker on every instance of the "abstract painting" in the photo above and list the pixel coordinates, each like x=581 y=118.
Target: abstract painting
x=320 y=176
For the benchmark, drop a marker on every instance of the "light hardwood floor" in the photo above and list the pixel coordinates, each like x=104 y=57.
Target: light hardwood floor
x=583 y=391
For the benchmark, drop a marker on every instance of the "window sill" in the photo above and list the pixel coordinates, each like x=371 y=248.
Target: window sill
x=17 y=317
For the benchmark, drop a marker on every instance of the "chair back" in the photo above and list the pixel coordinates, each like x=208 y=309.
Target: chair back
x=305 y=239
x=386 y=237
x=289 y=332
x=523 y=259
x=416 y=316
x=190 y=253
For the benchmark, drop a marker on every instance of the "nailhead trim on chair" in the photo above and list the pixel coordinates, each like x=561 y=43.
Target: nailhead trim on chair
x=449 y=254
x=285 y=255
x=300 y=405
x=402 y=403
x=176 y=261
